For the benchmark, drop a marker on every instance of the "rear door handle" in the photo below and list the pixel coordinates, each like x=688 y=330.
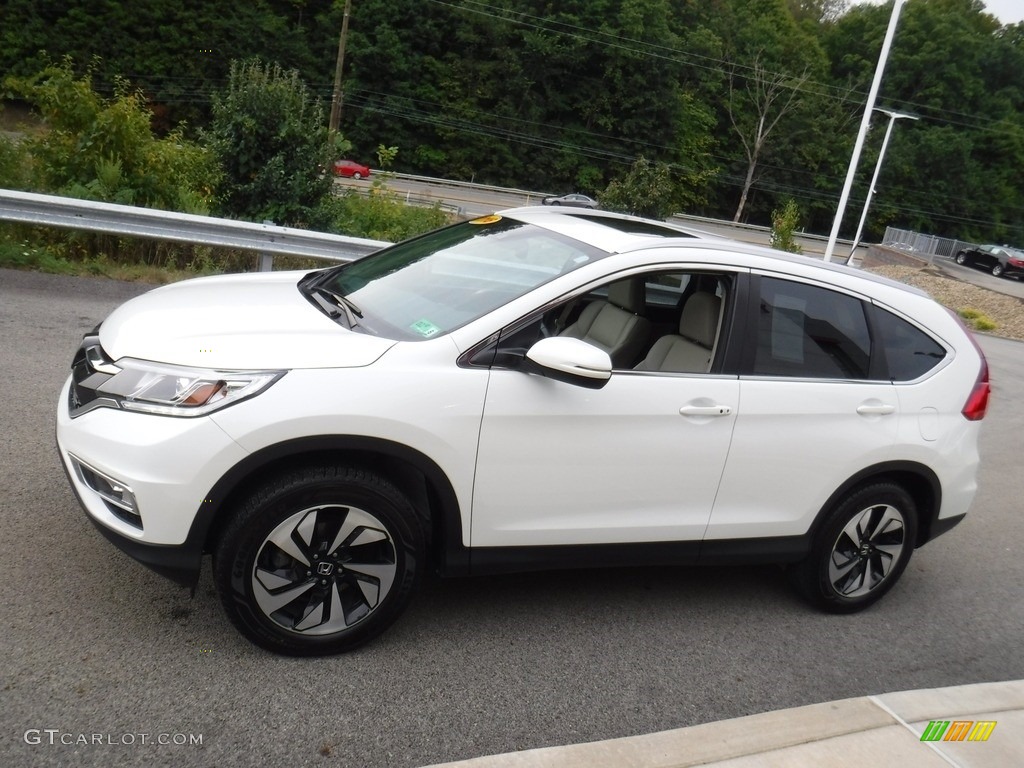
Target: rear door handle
x=876 y=409
x=705 y=410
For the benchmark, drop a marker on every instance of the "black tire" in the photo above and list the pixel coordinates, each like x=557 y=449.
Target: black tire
x=998 y=269
x=319 y=560
x=961 y=258
x=357 y=176
x=860 y=550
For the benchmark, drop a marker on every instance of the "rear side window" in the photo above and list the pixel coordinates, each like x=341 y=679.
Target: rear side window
x=804 y=331
x=909 y=351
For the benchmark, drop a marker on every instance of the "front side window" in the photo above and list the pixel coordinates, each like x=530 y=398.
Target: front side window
x=804 y=331
x=666 y=322
x=433 y=284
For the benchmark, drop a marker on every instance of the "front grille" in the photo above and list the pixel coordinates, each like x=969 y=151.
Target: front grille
x=86 y=380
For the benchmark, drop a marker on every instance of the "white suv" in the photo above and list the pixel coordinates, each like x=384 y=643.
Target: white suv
x=535 y=389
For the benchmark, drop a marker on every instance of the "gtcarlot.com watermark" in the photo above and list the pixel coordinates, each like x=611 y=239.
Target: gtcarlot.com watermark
x=55 y=736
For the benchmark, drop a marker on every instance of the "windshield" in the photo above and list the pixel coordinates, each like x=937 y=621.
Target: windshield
x=435 y=283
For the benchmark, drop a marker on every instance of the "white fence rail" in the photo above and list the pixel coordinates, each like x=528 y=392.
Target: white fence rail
x=923 y=245
x=266 y=239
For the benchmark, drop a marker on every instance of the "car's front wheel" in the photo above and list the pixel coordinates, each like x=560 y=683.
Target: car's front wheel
x=860 y=550
x=357 y=175
x=961 y=258
x=319 y=560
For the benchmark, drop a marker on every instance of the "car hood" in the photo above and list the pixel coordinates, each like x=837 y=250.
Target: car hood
x=239 y=322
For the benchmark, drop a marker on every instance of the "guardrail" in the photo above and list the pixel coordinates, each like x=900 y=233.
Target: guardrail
x=266 y=239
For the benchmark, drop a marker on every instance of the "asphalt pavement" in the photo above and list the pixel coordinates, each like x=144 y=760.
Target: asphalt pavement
x=106 y=664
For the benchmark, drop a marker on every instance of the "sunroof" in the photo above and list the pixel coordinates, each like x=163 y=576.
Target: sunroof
x=631 y=226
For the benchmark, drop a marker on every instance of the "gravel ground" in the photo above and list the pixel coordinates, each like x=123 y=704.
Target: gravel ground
x=1007 y=312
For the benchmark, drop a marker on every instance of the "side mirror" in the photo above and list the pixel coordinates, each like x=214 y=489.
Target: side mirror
x=569 y=360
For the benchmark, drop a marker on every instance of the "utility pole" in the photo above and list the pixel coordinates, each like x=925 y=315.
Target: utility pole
x=339 y=95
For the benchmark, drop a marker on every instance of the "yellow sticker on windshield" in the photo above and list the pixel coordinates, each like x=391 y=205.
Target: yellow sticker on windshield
x=486 y=219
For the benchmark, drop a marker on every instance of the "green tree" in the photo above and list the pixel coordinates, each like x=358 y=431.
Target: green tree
x=955 y=172
x=270 y=136
x=647 y=190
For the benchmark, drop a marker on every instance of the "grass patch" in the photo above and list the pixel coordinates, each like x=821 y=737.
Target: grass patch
x=977 y=320
x=23 y=254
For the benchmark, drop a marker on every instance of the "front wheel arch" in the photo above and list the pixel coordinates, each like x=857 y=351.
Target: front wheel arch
x=319 y=560
x=416 y=475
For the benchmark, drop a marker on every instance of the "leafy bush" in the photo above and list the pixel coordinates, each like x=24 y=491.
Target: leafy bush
x=977 y=320
x=380 y=216
x=100 y=149
x=647 y=190
x=784 y=224
x=104 y=149
x=271 y=139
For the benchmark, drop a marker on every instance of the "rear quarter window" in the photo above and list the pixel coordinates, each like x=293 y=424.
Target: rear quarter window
x=909 y=352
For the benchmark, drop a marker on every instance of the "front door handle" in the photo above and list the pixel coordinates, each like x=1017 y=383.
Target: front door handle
x=705 y=410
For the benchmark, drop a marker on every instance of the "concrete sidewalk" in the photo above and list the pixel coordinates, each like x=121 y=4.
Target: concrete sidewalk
x=883 y=730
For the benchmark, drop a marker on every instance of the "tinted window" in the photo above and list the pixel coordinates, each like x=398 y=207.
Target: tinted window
x=909 y=351
x=809 y=332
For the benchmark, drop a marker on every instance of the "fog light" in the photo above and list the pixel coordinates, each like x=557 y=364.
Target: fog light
x=111 y=490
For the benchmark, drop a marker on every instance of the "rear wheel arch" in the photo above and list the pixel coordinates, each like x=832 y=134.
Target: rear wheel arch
x=920 y=482
x=419 y=478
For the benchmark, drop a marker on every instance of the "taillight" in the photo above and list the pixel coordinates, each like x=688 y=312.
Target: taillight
x=977 y=402
x=1016 y=262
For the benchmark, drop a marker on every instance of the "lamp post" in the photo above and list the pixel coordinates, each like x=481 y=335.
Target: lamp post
x=893 y=117
x=897 y=6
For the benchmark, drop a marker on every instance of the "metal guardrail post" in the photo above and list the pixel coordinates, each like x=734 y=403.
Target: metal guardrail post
x=266 y=259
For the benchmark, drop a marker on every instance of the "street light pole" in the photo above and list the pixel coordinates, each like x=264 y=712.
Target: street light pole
x=893 y=117
x=864 y=123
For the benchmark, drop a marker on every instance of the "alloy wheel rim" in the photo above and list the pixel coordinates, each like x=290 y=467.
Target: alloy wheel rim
x=324 y=569
x=867 y=550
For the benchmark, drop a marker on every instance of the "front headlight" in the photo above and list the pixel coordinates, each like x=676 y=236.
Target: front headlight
x=171 y=390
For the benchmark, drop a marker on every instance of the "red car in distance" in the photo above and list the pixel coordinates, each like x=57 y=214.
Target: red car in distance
x=351 y=169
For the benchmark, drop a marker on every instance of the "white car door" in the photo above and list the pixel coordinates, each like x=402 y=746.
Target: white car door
x=561 y=464
x=638 y=460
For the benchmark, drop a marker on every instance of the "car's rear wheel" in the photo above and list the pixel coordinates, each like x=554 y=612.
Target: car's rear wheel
x=357 y=175
x=861 y=549
x=961 y=258
x=319 y=560
x=998 y=269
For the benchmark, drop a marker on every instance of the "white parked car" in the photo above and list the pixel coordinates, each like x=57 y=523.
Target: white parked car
x=537 y=389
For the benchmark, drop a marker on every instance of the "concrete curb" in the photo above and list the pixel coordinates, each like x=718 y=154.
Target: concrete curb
x=885 y=729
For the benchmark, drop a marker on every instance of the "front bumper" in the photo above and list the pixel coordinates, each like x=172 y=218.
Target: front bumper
x=168 y=463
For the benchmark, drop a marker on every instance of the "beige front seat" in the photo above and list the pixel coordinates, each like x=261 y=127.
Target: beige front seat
x=615 y=325
x=692 y=349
